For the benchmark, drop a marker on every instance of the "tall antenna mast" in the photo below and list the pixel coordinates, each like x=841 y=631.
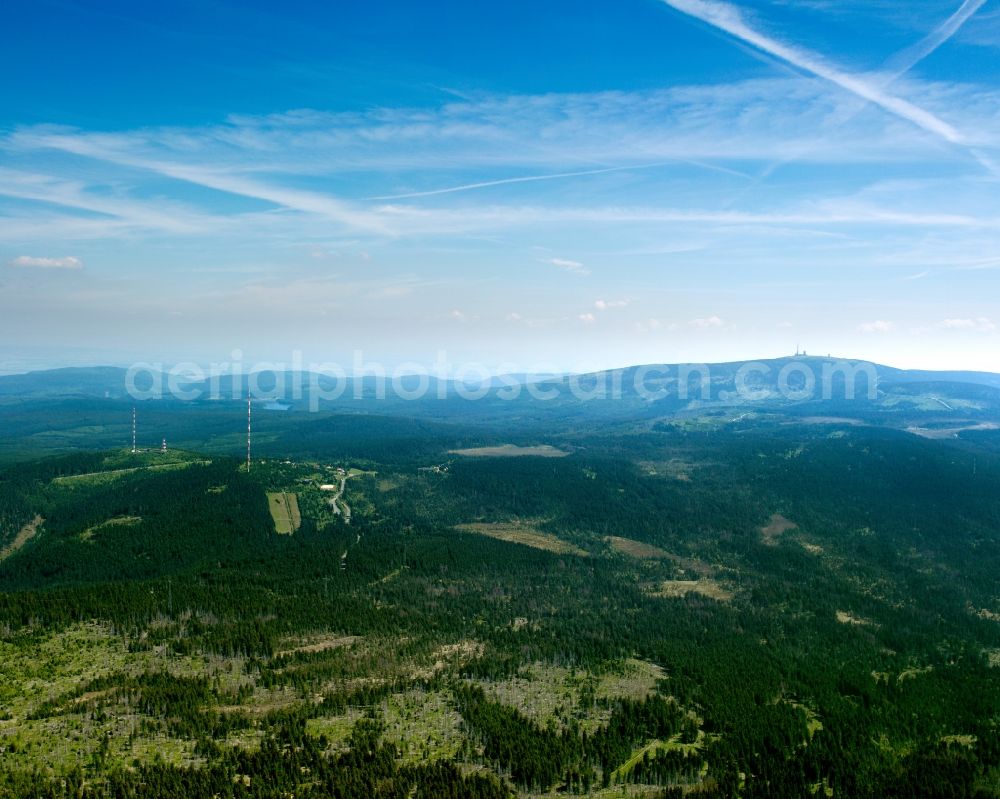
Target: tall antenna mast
x=133 y=429
x=248 y=431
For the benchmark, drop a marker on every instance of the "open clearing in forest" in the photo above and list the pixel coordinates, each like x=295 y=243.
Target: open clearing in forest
x=314 y=645
x=117 y=521
x=841 y=420
x=57 y=668
x=777 y=525
x=846 y=617
x=951 y=432
x=674 y=469
x=447 y=656
x=23 y=537
x=423 y=724
x=638 y=549
x=643 y=551
x=113 y=474
x=284 y=509
x=558 y=695
x=522 y=533
x=510 y=451
x=707 y=587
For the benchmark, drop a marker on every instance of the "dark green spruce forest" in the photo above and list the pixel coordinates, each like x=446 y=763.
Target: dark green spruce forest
x=763 y=603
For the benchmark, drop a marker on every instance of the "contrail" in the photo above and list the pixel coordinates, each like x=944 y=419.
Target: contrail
x=903 y=62
x=306 y=201
x=556 y=175
x=504 y=181
x=728 y=18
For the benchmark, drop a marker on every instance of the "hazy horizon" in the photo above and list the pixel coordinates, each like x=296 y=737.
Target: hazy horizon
x=440 y=365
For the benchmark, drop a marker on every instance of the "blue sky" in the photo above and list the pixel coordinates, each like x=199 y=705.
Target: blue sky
x=532 y=185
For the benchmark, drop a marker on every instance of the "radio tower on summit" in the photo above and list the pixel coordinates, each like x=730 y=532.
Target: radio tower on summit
x=248 y=431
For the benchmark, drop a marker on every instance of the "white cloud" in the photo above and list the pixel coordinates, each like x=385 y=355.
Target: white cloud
x=604 y=305
x=680 y=125
x=76 y=195
x=587 y=317
x=707 y=126
x=877 y=326
x=708 y=321
x=31 y=262
x=570 y=266
x=980 y=325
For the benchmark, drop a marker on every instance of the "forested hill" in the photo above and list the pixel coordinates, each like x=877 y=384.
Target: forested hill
x=717 y=609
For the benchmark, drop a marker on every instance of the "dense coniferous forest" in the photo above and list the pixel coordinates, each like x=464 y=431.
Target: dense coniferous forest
x=708 y=607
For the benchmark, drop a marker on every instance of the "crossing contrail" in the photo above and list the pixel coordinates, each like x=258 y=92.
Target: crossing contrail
x=728 y=18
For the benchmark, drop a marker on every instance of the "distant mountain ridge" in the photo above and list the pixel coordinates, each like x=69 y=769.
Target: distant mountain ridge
x=71 y=381
x=110 y=381
x=69 y=409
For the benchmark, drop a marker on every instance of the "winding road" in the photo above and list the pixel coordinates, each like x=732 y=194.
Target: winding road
x=337 y=501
